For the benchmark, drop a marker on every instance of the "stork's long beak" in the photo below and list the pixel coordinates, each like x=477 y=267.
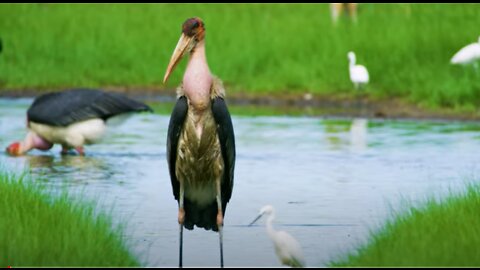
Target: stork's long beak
x=183 y=46
x=255 y=220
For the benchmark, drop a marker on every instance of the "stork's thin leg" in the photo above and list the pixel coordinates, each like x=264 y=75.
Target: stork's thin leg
x=220 y=232
x=64 y=150
x=181 y=219
x=180 y=259
x=220 y=221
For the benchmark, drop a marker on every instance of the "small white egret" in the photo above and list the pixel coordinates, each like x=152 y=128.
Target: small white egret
x=358 y=73
x=287 y=248
x=467 y=54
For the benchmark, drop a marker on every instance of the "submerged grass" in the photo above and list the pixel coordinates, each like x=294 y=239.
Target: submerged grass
x=439 y=233
x=38 y=228
x=256 y=48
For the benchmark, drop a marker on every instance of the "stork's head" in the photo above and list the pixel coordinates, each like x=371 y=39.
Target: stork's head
x=14 y=149
x=32 y=140
x=193 y=31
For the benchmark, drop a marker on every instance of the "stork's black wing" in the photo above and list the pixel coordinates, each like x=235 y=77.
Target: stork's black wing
x=227 y=143
x=174 y=129
x=65 y=108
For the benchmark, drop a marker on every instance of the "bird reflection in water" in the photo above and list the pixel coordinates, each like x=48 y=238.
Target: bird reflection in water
x=76 y=170
x=358 y=134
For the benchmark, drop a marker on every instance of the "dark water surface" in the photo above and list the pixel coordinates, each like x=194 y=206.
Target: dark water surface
x=329 y=180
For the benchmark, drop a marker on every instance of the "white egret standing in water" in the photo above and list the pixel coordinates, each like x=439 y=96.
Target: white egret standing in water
x=287 y=248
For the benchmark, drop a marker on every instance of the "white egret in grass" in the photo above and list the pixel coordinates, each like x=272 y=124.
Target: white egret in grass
x=287 y=248
x=358 y=73
x=467 y=54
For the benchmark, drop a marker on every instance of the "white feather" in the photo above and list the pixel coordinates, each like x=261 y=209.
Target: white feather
x=358 y=73
x=74 y=135
x=287 y=248
x=467 y=54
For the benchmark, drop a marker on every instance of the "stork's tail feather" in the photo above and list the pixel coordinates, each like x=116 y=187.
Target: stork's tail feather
x=200 y=216
x=144 y=108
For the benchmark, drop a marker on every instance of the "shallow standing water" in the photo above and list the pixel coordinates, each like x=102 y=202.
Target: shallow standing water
x=329 y=180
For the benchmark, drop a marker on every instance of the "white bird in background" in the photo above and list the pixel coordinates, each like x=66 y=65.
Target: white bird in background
x=287 y=248
x=467 y=54
x=358 y=73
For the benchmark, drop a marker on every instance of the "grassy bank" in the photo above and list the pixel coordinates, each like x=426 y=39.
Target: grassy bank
x=441 y=233
x=39 y=229
x=255 y=48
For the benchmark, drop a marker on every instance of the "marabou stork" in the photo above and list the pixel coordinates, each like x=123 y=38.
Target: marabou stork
x=71 y=118
x=201 y=141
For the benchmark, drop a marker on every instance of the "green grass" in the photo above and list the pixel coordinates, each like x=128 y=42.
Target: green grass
x=439 y=233
x=38 y=228
x=254 y=48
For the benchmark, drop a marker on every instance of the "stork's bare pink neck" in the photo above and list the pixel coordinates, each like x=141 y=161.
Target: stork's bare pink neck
x=32 y=140
x=197 y=79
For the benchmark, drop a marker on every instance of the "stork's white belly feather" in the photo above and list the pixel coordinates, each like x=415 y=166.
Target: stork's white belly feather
x=74 y=135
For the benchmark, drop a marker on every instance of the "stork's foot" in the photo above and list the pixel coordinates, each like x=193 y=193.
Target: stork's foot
x=64 y=150
x=80 y=151
x=181 y=215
